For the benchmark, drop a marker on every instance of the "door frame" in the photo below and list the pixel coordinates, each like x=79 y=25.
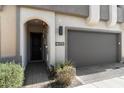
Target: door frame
x=31 y=46
x=117 y=32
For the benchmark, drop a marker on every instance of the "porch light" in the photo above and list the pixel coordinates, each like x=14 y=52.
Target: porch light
x=60 y=30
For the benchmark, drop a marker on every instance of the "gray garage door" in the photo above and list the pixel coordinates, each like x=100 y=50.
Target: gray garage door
x=88 y=48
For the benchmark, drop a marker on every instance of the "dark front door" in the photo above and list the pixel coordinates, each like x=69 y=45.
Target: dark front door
x=36 y=46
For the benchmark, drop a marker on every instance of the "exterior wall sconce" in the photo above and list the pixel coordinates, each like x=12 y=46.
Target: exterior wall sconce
x=60 y=30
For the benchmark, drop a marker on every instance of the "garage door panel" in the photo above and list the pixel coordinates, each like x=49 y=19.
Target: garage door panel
x=87 y=48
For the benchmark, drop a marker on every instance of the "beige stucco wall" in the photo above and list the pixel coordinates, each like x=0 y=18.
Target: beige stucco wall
x=8 y=31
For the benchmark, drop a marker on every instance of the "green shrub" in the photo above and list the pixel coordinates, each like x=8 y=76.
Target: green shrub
x=11 y=75
x=64 y=73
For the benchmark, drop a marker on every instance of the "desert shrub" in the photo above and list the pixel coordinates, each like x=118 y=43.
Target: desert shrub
x=53 y=69
x=11 y=75
x=64 y=73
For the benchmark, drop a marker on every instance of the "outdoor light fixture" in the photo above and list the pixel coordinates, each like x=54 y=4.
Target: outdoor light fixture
x=60 y=30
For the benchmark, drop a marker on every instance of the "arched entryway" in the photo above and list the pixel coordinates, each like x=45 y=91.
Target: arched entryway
x=47 y=17
x=36 y=46
x=36 y=40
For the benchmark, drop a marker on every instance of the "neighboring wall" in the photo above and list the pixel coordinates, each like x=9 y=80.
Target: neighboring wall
x=8 y=31
x=79 y=10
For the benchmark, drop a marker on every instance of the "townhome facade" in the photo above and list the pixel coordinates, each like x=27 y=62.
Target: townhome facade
x=84 y=34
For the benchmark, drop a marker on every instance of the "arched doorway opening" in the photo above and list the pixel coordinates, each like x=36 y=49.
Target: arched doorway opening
x=34 y=46
x=36 y=37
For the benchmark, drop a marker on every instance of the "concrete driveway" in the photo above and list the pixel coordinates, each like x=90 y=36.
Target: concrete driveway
x=102 y=76
x=109 y=83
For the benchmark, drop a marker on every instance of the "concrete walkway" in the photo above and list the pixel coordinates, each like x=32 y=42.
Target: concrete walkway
x=109 y=83
x=36 y=74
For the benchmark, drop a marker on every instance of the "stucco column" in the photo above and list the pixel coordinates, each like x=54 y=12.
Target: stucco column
x=51 y=42
x=51 y=45
x=94 y=14
x=112 y=15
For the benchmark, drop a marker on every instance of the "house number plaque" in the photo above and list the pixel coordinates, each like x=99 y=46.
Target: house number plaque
x=59 y=43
